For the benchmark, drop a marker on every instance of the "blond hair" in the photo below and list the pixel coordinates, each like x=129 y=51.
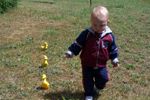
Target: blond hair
x=100 y=12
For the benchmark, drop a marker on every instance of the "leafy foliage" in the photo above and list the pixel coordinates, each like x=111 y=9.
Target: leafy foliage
x=7 y=4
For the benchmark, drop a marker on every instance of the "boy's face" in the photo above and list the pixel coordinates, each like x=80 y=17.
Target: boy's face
x=97 y=25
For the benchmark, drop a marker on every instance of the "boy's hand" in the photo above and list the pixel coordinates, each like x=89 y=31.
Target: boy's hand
x=68 y=54
x=115 y=64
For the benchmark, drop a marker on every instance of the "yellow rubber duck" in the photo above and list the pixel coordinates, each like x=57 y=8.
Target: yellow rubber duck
x=45 y=84
x=44 y=62
x=44 y=46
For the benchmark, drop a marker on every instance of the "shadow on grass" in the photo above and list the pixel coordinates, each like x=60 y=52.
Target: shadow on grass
x=64 y=95
x=48 y=2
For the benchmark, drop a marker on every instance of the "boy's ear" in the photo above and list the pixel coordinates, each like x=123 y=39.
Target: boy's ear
x=109 y=21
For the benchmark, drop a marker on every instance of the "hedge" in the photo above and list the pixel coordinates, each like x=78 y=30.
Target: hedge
x=7 y=4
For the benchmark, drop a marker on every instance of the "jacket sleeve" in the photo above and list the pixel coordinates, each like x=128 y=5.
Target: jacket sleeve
x=113 y=49
x=77 y=45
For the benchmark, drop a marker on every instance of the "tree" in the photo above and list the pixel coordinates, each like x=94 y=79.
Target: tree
x=90 y=3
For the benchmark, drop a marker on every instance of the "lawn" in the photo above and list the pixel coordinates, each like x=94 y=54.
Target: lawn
x=59 y=22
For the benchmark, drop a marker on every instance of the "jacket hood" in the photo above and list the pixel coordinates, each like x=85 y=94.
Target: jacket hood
x=106 y=31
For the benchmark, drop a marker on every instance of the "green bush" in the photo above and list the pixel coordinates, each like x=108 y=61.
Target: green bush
x=7 y=4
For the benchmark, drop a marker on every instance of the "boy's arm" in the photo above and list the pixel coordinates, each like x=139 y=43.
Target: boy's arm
x=114 y=53
x=77 y=45
x=74 y=49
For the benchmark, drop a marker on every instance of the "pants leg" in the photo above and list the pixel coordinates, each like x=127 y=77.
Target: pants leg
x=88 y=82
x=101 y=77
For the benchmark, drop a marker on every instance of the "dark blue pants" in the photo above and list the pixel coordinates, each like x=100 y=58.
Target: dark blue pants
x=94 y=77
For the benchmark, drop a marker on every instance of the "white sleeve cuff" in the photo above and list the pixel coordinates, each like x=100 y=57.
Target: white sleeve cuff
x=69 y=53
x=115 y=60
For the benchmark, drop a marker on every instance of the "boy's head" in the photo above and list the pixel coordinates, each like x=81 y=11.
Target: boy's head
x=99 y=18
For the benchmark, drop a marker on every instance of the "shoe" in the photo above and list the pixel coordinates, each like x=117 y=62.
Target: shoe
x=88 y=98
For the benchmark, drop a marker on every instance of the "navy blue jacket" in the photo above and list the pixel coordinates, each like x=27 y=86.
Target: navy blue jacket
x=96 y=48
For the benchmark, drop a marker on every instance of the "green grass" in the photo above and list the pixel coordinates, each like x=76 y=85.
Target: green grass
x=59 y=22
